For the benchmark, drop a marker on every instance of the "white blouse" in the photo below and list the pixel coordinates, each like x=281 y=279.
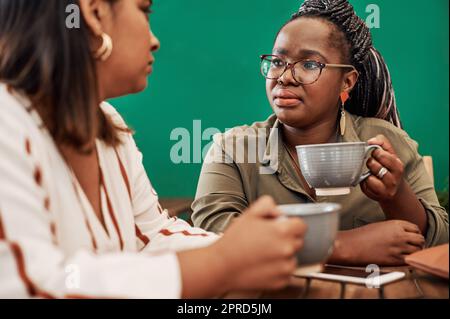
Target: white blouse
x=53 y=245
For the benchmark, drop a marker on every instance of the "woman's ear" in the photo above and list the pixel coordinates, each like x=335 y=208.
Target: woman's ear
x=350 y=79
x=93 y=12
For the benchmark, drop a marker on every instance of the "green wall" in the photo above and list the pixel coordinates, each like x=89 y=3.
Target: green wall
x=208 y=69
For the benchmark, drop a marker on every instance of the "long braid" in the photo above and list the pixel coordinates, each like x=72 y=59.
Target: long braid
x=373 y=94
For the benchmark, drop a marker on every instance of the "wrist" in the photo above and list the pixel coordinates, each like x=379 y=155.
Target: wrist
x=395 y=200
x=343 y=251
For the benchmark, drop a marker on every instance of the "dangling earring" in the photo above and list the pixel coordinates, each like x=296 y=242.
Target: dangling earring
x=344 y=97
x=104 y=52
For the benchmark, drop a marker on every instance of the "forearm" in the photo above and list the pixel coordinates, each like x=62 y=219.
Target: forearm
x=203 y=273
x=406 y=206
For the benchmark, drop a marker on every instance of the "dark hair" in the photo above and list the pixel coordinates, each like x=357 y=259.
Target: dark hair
x=53 y=66
x=373 y=94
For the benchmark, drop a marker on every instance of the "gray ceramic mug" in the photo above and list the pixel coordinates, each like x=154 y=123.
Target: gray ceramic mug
x=322 y=220
x=333 y=168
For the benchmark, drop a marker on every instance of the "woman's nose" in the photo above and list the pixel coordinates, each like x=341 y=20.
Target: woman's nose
x=154 y=42
x=287 y=77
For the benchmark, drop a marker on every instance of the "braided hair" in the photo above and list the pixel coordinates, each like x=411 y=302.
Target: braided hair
x=373 y=94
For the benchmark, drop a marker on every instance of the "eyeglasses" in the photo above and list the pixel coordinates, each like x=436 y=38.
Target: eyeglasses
x=304 y=72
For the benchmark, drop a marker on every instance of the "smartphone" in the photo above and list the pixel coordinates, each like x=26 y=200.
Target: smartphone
x=355 y=275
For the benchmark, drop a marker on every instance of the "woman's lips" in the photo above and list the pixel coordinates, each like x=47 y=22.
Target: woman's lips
x=149 y=68
x=287 y=102
x=286 y=98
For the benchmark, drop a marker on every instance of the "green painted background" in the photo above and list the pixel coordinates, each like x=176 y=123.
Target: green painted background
x=208 y=70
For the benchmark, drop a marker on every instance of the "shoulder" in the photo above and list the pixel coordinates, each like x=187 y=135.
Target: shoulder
x=244 y=132
x=368 y=127
x=125 y=133
x=12 y=108
x=128 y=151
x=113 y=114
x=22 y=142
x=16 y=118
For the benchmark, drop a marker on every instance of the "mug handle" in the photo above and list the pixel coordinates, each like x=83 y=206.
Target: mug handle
x=369 y=148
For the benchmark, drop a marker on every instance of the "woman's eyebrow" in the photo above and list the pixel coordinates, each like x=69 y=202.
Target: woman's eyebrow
x=280 y=51
x=308 y=53
x=302 y=53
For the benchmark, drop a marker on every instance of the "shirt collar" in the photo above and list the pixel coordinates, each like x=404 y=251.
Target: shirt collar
x=275 y=138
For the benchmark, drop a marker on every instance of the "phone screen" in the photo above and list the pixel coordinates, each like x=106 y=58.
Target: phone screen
x=352 y=272
x=354 y=275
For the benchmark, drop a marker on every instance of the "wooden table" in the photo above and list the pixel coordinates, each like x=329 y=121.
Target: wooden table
x=416 y=285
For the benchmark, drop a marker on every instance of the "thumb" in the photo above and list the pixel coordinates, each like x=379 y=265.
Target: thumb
x=264 y=207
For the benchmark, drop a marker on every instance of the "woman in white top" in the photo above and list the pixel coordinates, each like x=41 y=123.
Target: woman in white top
x=78 y=215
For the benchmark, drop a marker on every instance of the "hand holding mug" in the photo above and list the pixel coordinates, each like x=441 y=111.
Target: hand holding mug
x=258 y=250
x=387 y=172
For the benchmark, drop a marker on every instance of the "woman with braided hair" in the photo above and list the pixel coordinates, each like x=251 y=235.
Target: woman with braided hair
x=373 y=94
x=327 y=83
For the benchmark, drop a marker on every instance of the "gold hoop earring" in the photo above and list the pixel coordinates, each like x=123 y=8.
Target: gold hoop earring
x=105 y=50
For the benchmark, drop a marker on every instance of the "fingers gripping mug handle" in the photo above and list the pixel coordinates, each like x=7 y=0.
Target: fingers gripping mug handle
x=369 y=148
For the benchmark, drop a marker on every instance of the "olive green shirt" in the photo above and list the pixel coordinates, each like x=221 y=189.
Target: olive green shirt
x=228 y=186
